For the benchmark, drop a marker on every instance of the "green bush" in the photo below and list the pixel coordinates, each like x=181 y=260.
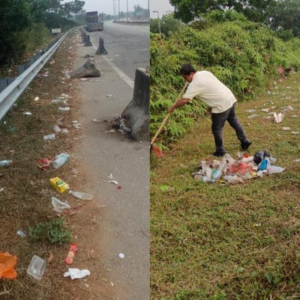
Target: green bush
x=242 y=54
x=52 y=231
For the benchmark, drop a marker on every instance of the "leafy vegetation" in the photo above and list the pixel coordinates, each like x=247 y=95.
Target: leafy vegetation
x=167 y=25
x=52 y=231
x=21 y=19
x=242 y=54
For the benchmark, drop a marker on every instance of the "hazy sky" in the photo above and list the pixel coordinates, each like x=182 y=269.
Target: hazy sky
x=106 y=6
x=163 y=6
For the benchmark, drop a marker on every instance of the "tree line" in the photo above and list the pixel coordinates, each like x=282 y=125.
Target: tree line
x=278 y=15
x=28 y=21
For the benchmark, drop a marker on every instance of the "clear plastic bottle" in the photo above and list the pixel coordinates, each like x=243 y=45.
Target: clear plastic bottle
x=82 y=196
x=5 y=163
x=60 y=160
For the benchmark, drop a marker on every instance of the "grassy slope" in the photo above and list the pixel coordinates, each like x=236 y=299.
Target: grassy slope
x=210 y=241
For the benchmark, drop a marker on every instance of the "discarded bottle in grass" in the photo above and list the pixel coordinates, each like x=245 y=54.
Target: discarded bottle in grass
x=37 y=267
x=82 y=196
x=5 y=163
x=60 y=160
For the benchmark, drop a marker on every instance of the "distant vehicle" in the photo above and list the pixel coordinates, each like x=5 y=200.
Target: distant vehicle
x=92 y=21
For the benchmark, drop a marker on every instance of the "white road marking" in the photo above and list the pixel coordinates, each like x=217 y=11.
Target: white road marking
x=127 y=79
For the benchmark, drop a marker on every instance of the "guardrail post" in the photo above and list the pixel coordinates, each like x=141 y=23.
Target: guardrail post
x=88 y=41
x=101 y=49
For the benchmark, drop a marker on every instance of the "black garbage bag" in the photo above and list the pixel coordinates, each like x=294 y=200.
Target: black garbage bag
x=260 y=155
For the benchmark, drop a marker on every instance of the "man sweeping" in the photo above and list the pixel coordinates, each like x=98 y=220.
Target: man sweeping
x=219 y=98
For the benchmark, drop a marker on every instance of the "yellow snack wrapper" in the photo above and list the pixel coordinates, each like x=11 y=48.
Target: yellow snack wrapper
x=59 y=184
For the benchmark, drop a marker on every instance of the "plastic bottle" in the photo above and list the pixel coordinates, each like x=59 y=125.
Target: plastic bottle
x=5 y=163
x=82 y=196
x=216 y=174
x=60 y=160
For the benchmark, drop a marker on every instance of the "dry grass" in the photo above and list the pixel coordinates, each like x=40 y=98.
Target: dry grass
x=26 y=199
x=210 y=241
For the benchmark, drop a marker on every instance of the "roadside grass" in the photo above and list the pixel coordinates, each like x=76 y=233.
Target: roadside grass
x=26 y=199
x=216 y=241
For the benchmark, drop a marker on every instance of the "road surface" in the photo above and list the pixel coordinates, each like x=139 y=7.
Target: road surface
x=125 y=227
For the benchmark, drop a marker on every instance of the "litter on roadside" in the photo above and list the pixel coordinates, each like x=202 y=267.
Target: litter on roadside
x=286 y=128
x=71 y=253
x=122 y=255
x=56 y=128
x=295 y=132
x=65 y=131
x=60 y=160
x=36 y=99
x=7 y=266
x=253 y=116
x=278 y=117
x=165 y=188
x=59 y=206
x=21 y=233
x=239 y=170
x=77 y=125
x=44 y=163
x=49 y=137
x=2 y=189
x=37 y=267
x=74 y=171
x=81 y=195
x=76 y=273
x=59 y=184
x=27 y=113
x=64 y=108
x=5 y=162
x=114 y=181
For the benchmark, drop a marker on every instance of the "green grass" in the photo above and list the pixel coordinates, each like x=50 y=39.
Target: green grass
x=213 y=241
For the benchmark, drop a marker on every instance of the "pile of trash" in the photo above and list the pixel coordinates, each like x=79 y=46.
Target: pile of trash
x=233 y=171
x=120 y=125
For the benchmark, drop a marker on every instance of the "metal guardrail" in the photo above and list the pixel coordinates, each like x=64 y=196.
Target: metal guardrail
x=15 y=89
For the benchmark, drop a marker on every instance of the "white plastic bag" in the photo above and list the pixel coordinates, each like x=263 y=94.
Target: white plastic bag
x=59 y=206
x=76 y=273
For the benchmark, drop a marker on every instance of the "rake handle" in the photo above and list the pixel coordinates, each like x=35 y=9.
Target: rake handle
x=167 y=116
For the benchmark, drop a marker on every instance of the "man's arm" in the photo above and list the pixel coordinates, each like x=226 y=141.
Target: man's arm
x=179 y=103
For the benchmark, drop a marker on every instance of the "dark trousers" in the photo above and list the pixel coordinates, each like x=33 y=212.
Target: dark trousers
x=218 y=122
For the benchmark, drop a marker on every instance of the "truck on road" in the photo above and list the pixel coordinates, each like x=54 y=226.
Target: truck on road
x=92 y=21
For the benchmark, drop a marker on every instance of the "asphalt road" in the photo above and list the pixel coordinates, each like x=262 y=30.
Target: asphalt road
x=126 y=211
x=127 y=46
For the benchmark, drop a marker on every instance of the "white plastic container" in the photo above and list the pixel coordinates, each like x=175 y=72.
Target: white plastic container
x=60 y=160
x=49 y=137
x=37 y=267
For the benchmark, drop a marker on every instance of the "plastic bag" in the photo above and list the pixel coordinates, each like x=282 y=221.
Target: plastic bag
x=275 y=169
x=260 y=155
x=7 y=265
